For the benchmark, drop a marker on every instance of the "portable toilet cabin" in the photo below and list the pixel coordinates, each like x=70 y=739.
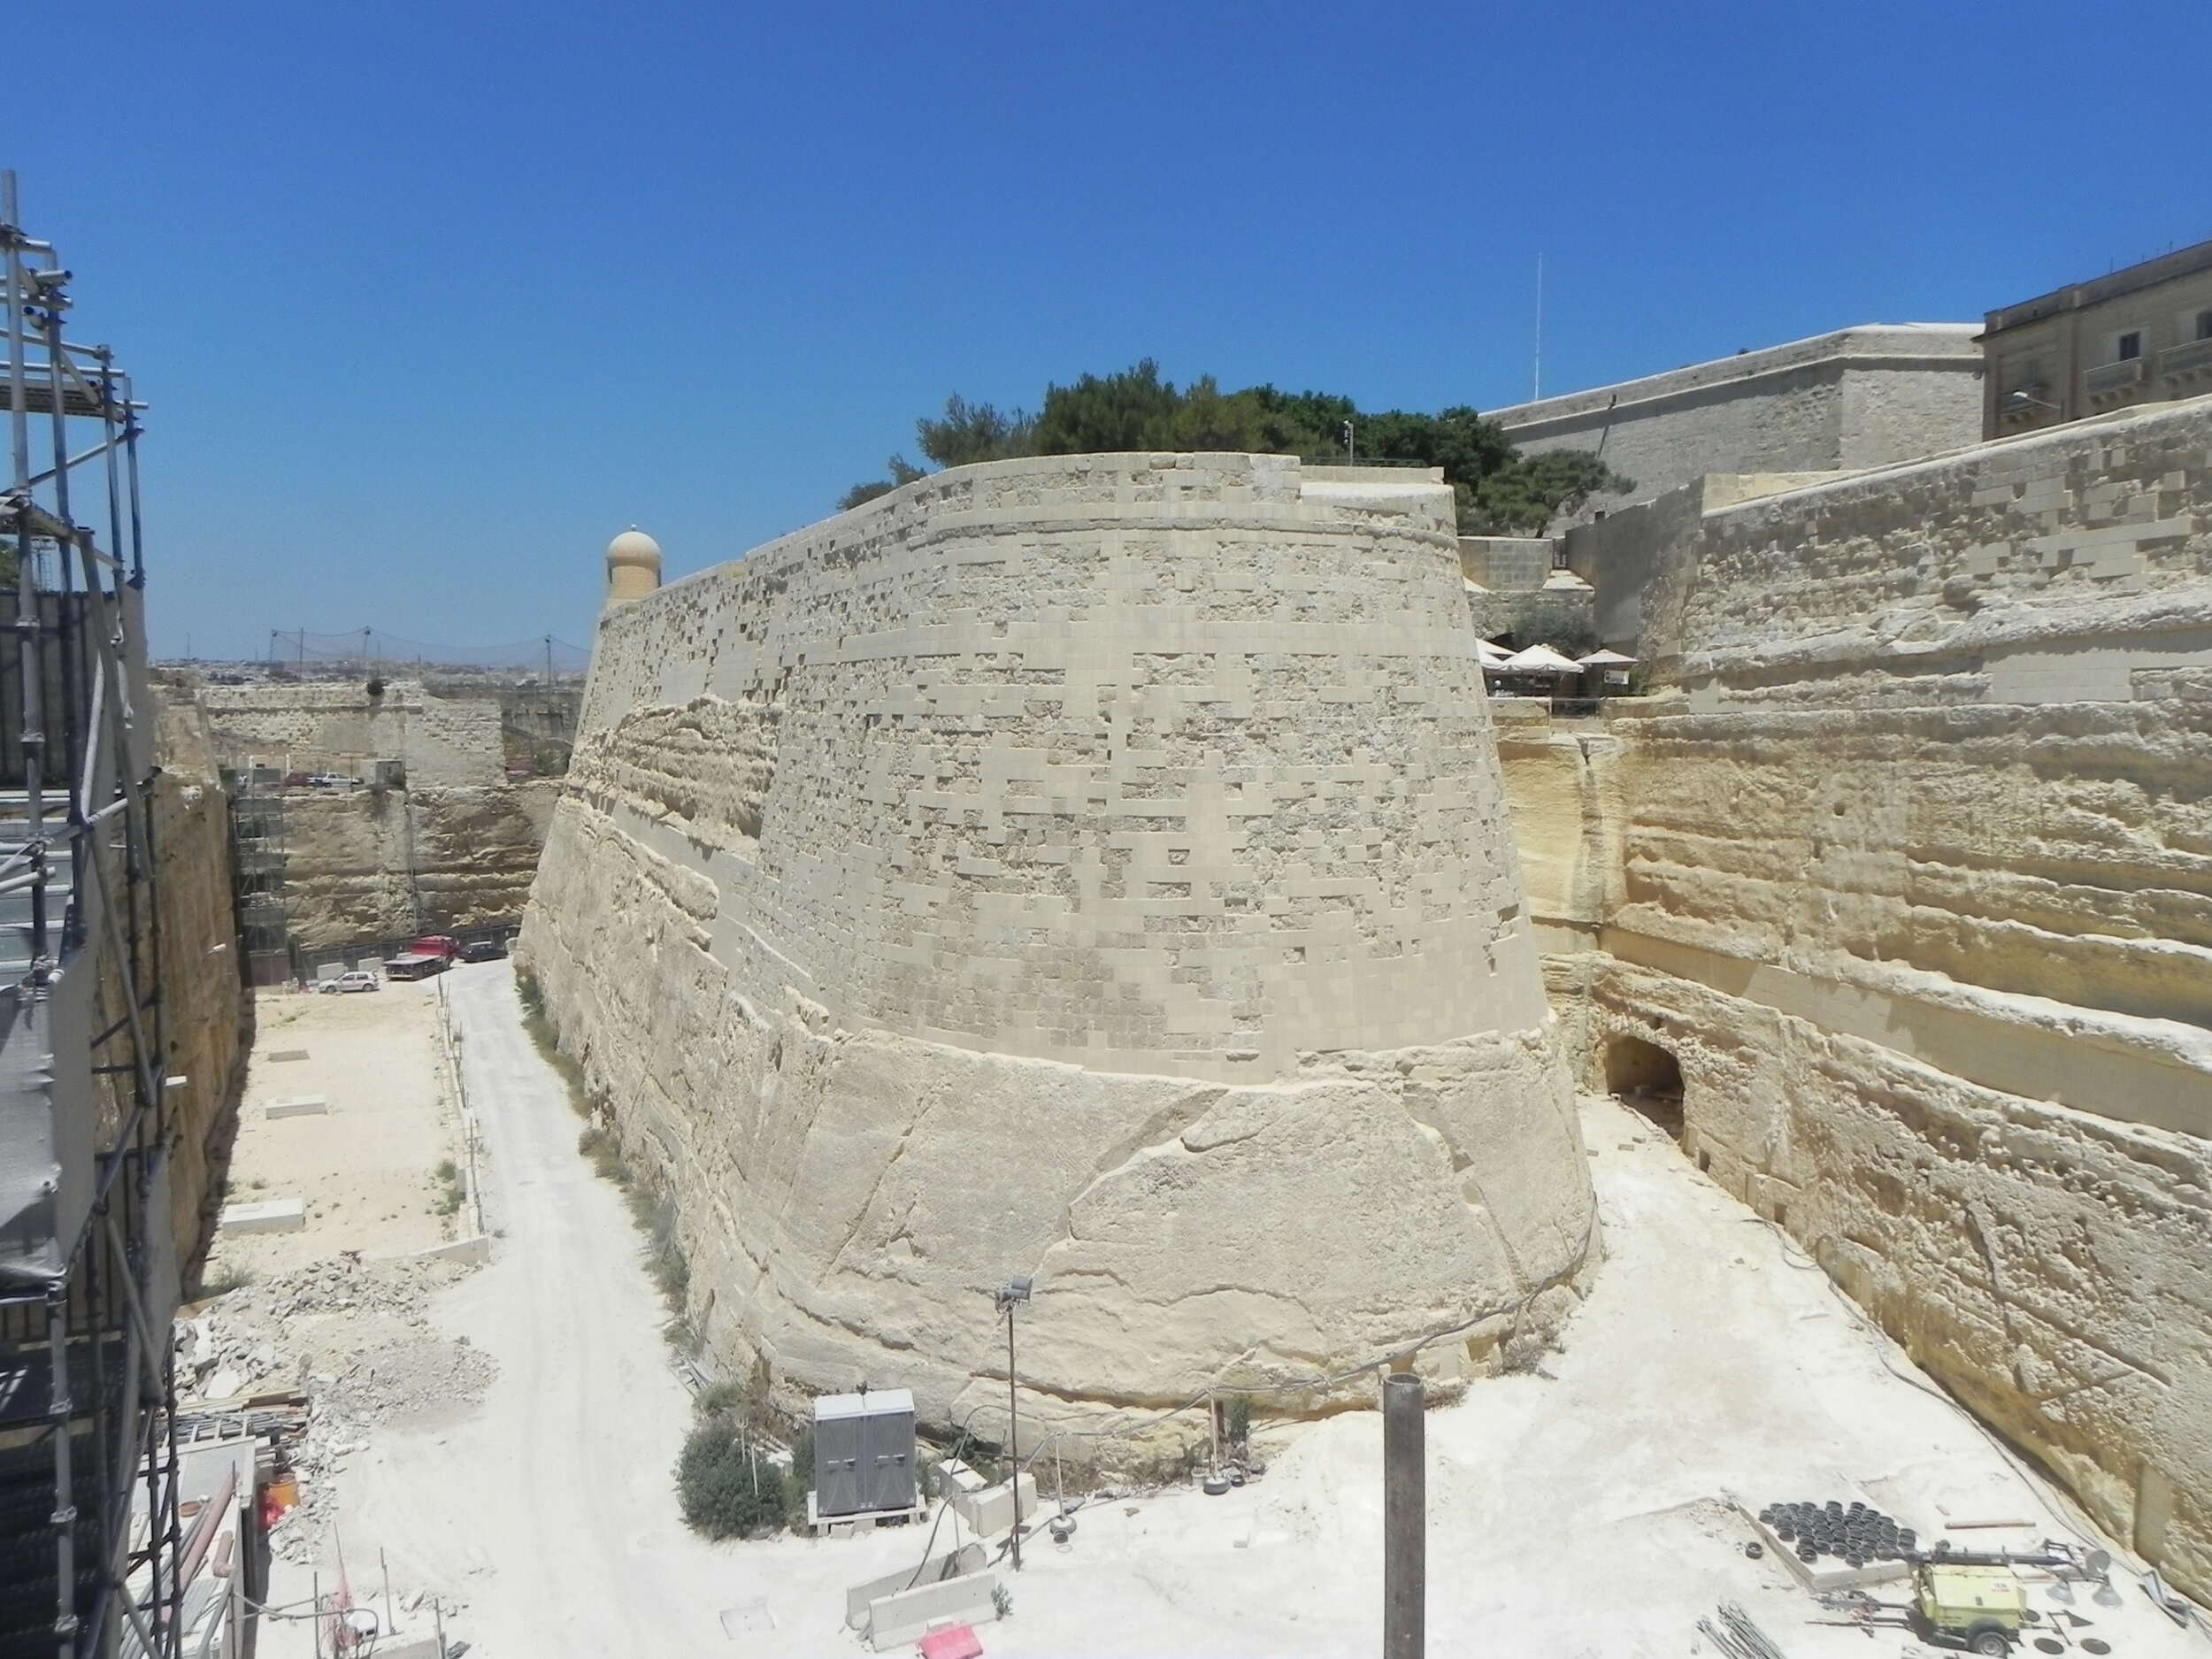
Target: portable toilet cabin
x=864 y=1453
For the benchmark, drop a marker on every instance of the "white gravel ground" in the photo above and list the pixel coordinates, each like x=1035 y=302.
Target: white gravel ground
x=1575 y=1513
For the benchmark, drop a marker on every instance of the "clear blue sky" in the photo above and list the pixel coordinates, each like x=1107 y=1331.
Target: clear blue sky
x=430 y=299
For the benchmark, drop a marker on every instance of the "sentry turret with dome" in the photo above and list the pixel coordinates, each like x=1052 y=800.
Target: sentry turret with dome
x=634 y=567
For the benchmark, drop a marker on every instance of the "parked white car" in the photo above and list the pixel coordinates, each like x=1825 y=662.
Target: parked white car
x=356 y=980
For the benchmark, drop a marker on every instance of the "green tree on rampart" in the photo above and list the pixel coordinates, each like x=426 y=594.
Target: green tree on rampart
x=1499 y=492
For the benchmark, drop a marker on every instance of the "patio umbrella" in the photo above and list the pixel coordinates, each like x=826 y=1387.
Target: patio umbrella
x=1541 y=659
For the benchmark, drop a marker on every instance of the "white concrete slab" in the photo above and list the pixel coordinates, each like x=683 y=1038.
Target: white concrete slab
x=278 y=1215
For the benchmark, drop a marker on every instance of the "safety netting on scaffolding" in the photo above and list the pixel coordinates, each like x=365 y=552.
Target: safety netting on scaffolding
x=371 y=650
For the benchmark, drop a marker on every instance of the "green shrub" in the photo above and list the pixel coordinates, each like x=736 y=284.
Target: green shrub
x=724 y=1398
x=535 y=1021
x=605 y=1153
x=1236 y=1412
x=725 y=1491
x=451 y=1190
x=219 y=1278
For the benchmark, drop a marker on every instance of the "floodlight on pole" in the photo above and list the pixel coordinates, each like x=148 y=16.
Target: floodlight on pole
x=2027 y=400
x=1006 y=1296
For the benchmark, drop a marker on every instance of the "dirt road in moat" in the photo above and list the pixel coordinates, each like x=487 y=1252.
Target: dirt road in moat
x=551 y=1512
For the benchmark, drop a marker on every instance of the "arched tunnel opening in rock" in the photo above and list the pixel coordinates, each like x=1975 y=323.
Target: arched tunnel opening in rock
x=1648 y=1078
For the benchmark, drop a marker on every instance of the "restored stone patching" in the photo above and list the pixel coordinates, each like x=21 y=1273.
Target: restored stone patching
x=1094 y=868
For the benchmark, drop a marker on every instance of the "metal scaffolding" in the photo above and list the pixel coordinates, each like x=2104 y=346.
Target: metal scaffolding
x=90 y=1549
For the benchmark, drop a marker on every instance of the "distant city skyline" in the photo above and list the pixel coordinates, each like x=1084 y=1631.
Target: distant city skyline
x=428 y=302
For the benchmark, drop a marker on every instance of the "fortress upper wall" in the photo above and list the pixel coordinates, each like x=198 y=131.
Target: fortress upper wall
x=1143 y=763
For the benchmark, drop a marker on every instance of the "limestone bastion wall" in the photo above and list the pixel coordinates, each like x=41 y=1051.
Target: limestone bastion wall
x=1093 y=868
x=1912 y=875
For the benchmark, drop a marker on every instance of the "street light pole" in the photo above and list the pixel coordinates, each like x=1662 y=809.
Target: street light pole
x=1017 y=1291
x=1013 y=1438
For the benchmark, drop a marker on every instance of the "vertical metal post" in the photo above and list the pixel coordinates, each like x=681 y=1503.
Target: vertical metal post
x=109 y=436
x=59 y=1409
x=130 y=467
x=31 y=740
x=1013 y=1440
x=1405 y=1520
x=1536 y=372
x=18 y=412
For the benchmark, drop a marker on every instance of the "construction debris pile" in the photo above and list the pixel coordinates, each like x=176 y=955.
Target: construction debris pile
x=350 y=1340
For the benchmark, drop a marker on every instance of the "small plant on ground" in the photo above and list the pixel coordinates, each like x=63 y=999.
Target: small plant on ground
x=1001 y=1601
x=605 y=1154
x=654 y=1213
x=1236 y=1413
x=219 y=1278
x=535 y=1021
x=451 y=1190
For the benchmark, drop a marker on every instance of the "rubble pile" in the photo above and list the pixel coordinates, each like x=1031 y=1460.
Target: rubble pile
x=351 y=1337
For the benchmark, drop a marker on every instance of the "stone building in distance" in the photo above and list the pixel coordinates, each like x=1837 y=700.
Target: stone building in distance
x=1858 y=397
x=2140 y=335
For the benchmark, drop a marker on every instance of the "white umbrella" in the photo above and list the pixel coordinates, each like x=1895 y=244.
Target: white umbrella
x=1541 y=659
x=1606 y=659
x=1493 y=656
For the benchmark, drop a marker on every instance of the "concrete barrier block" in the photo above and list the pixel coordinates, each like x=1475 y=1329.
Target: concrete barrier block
x=953 y=1564
x=305 y=1106
x=476 y=1249
x=991 y=1511
x=896 y=1621
x=279 y=1215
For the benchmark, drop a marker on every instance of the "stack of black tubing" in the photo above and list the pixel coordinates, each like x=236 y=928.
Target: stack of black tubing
x=1851 y=1534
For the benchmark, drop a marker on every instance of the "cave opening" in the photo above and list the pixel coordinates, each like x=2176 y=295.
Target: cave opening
x=1647 y=1079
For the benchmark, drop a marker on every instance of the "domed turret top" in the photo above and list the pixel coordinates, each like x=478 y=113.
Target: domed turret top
x=633 y=544
x=634 y=566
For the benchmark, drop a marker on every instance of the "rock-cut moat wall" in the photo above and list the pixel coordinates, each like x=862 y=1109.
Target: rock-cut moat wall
x=1094 y=868
x=1909 y=870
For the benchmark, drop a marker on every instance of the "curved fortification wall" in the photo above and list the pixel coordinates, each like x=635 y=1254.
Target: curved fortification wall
x=1094 y=868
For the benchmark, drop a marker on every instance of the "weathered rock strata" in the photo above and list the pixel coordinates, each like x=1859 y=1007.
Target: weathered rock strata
x=1911 y=877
